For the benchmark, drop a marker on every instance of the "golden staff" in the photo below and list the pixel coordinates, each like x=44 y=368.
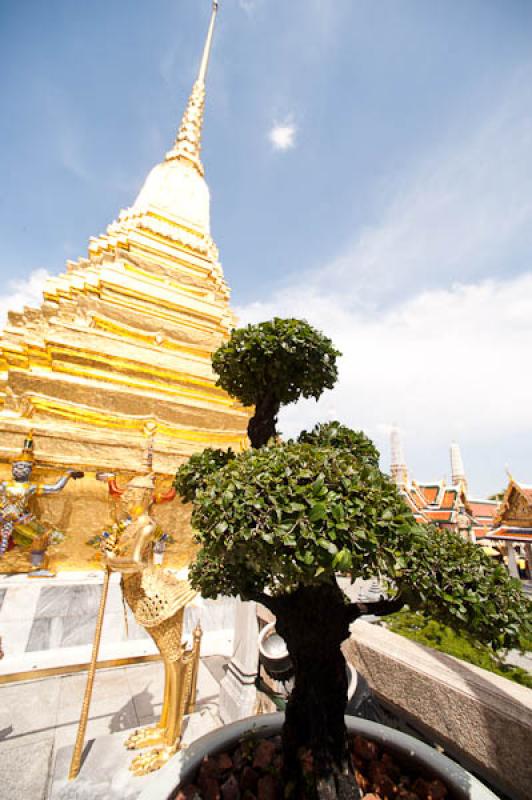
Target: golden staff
x=80 y=739
x=196 y=639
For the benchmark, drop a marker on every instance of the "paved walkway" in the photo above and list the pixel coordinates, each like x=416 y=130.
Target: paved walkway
x=39 y=721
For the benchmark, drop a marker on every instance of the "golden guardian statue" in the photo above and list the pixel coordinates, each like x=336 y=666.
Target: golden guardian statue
x=157 y=599
x=18 y=524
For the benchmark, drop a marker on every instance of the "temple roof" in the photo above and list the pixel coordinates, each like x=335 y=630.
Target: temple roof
x=513 y=533
x=516 y=506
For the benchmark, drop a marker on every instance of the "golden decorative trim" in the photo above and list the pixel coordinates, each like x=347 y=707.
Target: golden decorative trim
x=88 y=416
x=155 y=311
x=159 y=388
x=51 y=672
x=150 y=338
x=168 y=282
x=129 y=292
x=128 y=366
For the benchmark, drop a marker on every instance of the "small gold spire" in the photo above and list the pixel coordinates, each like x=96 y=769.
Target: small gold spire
x=187 y=145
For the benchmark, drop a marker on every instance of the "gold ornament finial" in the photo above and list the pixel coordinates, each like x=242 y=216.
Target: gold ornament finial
x=27 y=453
x=187 y=145
x=202 y=74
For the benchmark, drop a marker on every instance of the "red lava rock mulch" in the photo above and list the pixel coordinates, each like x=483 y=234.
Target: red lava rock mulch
x=253 y=770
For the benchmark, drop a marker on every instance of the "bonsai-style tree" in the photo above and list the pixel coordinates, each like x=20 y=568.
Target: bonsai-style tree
x=277 y=524
x=272 y=364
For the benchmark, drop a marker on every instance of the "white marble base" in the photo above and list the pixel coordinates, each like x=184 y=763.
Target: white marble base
x=238 y=694
x=45 y=626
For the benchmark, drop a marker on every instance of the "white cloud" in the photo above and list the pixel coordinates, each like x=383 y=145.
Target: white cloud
x=283 y=136
x=248 y=6
x=445 y=364
x=22 y=293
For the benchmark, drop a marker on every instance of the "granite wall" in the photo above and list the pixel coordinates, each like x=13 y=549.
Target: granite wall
x=479 y=717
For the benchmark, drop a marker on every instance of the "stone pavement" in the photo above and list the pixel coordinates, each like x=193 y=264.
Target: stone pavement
x=39 y=720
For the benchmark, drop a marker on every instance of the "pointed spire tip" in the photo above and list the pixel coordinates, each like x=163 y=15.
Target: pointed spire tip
x=187 y=146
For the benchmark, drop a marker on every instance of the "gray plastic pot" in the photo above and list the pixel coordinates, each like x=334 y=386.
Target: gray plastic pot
x=182 y=769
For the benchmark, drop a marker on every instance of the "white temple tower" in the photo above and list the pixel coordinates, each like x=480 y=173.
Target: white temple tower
x=457 y=467
x=398 y=466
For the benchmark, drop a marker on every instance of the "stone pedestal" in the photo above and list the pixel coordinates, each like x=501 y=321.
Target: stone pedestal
x=528 y=559
x=238 y=694
x=513 y=569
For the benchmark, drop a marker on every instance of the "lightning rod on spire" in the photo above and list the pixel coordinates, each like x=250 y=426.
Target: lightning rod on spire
x=202 y=74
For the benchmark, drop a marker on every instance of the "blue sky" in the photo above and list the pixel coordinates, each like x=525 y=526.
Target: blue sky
x=370 y=165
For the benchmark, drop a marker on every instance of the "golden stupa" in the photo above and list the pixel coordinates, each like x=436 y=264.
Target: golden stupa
x=118 y=353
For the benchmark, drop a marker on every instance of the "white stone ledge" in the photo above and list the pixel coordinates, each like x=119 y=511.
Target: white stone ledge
x=474 y=714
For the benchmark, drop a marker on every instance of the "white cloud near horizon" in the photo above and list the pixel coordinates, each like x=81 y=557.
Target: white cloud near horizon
x=283 y=136
x=445 y=364
x=21 y=293
x=249 y=6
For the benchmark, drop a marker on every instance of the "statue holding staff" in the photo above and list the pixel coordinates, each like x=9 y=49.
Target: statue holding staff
x=157 y=599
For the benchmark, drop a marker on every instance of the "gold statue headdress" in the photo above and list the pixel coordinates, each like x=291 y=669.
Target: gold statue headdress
x=27 y=453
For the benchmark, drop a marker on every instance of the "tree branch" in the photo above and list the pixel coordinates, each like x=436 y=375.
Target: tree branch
x=271 y=603
x=380 y=608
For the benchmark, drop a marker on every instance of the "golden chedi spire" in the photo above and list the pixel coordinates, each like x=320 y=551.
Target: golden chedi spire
x=187 y=145
x=176 y=188
x=118 y=354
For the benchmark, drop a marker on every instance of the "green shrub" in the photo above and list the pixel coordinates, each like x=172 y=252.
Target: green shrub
x=417 y=627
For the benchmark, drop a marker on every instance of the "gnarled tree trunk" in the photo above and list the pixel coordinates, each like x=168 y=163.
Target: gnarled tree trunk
x=261 y=427
x=314 y=621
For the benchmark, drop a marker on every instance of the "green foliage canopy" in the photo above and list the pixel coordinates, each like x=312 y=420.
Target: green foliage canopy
x=192 y=476
x=455 y=582
x=334 y=434
x=292 y=515
x=284 y=358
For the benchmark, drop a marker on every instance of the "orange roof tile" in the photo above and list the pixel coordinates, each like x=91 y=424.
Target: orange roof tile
x=418 y=499
x=507 y=532
x=449 y=498
x=430 y=493
x=527 y=493
x=439 y=516
x=480 y=508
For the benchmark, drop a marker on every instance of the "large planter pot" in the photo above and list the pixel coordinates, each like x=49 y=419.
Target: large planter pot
x=182 y=769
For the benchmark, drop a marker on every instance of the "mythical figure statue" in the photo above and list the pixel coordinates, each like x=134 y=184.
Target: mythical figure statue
x=464 y=526
x=157 y=599
x=18 y=525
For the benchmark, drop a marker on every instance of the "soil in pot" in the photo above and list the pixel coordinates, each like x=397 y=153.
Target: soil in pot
x=253 y=771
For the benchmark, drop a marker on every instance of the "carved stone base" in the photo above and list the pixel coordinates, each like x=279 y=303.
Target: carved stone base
x=238 y=694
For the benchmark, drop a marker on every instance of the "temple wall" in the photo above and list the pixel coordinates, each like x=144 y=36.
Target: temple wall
x=82 y=510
